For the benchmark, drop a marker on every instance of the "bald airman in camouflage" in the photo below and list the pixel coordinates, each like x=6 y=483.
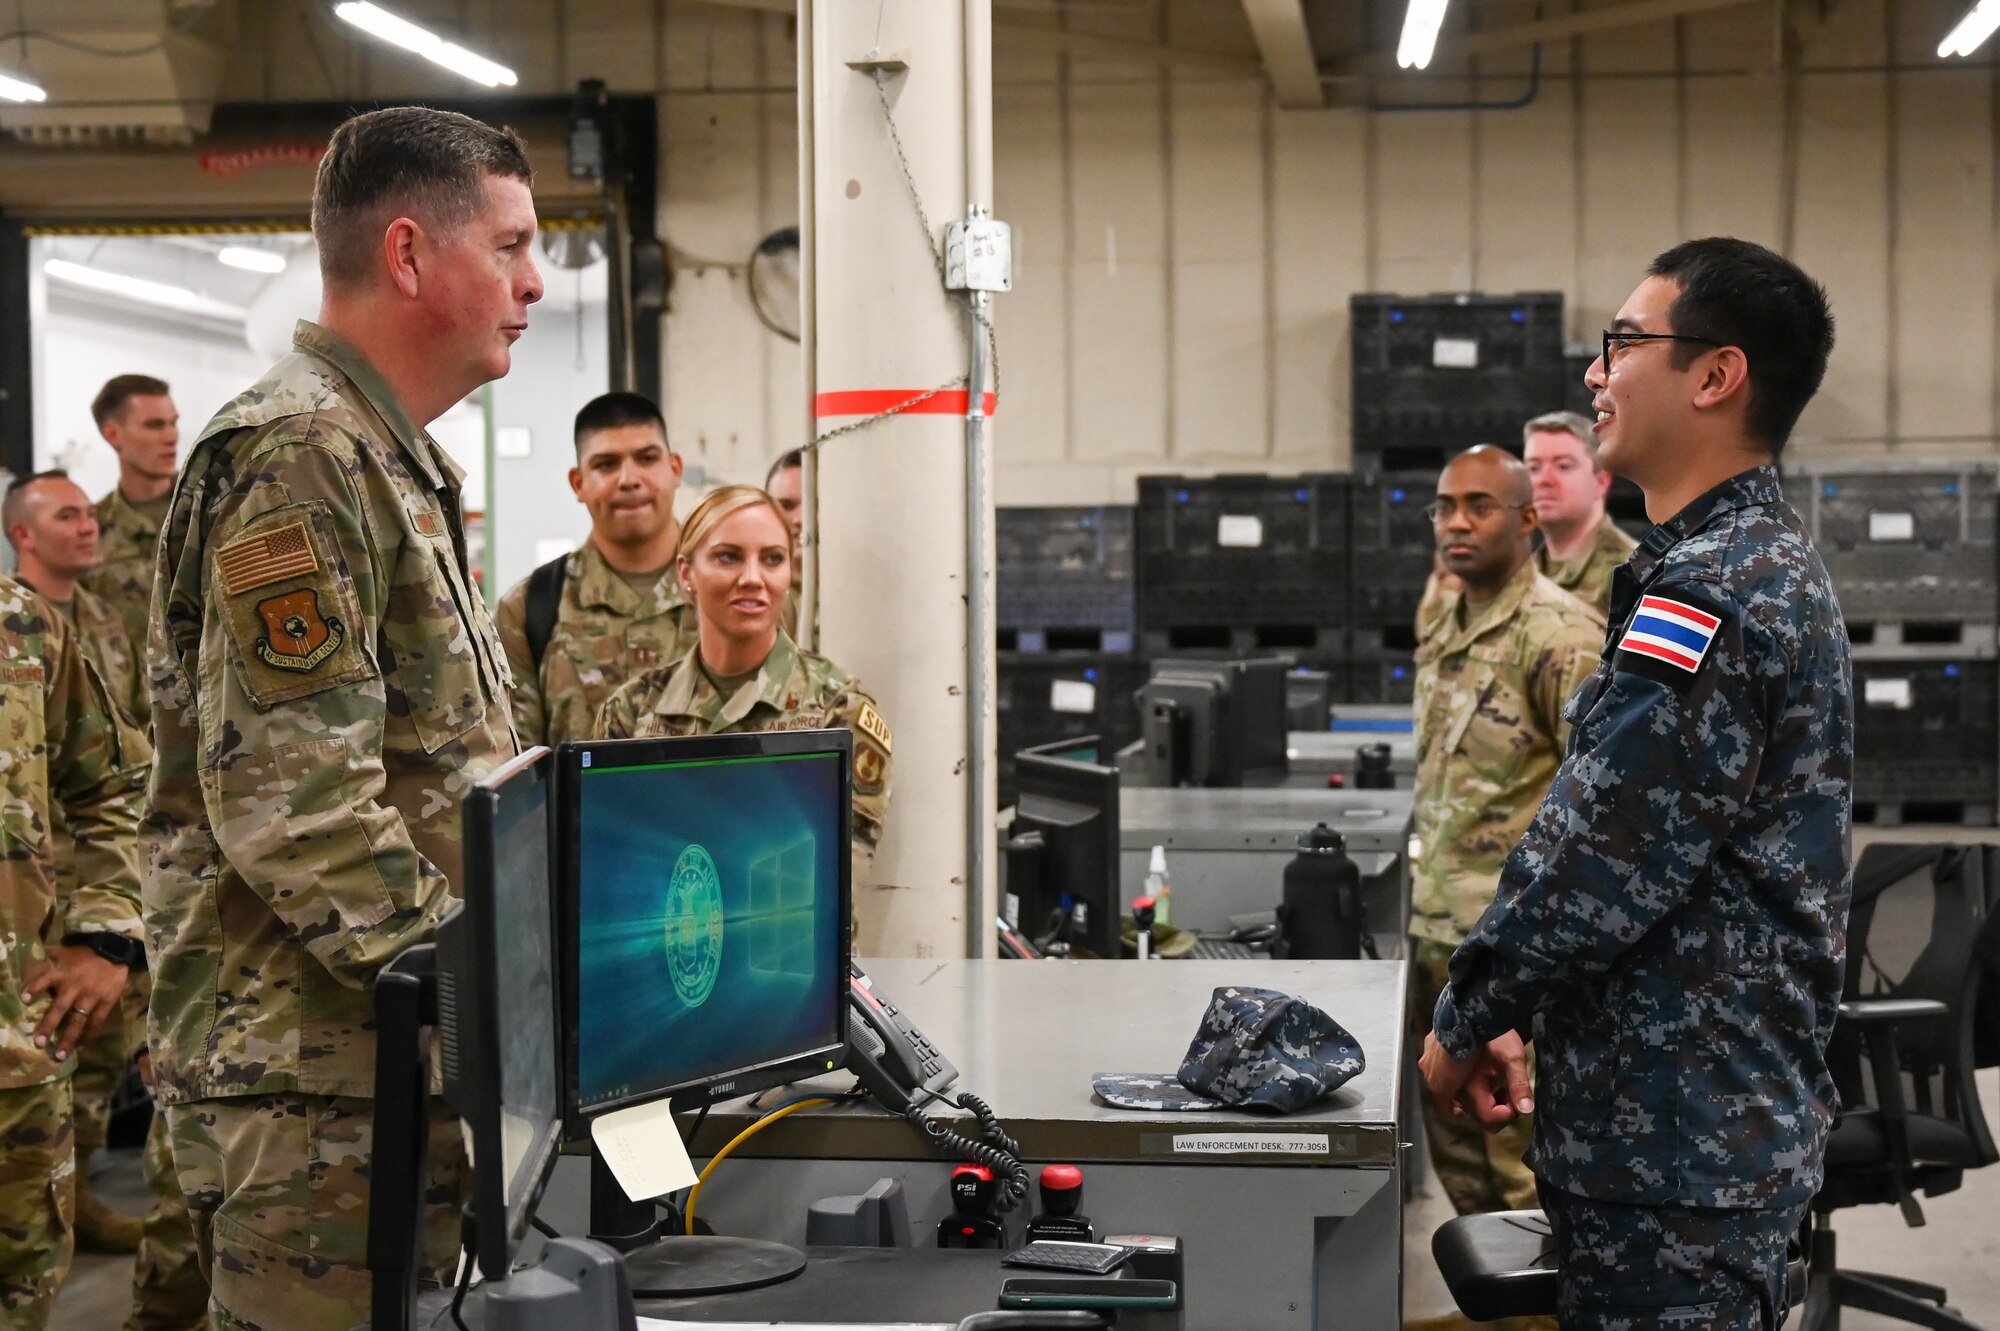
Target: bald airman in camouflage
x=326 y=686
x=793 y=690
x=70 y=939
x=50 y=525
x=617 y=605
x=1581 y=546
x=1507 y=648
x=1672 y=928
x=136 y=415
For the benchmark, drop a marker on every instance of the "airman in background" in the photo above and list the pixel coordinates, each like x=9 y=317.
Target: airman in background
x=73 y=938
x=49 y=522
x=1505 y=651
x=580 y=626
x=136 y=415
x=1581 y=546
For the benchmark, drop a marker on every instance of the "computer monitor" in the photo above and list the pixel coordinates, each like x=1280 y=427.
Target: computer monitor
x=1062 y=847
x=703 y=915
x=1216 y=723
x=496 y=966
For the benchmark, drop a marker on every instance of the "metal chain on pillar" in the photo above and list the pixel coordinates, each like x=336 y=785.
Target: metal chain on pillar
x=937 y=257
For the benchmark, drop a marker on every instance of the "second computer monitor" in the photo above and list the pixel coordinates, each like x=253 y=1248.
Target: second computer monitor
x=704 y=908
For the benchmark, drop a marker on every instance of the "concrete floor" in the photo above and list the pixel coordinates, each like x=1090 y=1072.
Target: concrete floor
x=1959 y=1248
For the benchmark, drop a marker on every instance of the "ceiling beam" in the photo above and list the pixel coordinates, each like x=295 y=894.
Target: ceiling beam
x=1041 y=40
x=1044 y=39
x=1282 y=39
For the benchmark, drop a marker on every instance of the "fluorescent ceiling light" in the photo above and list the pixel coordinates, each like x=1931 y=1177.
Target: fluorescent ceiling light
x=1978 y=24
x=1421 y=24
x=252 y=260
x=139 y=289
x=20 y=90
x=379 y=22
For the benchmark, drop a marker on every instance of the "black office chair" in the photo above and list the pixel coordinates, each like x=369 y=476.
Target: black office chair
x=1903 y=1057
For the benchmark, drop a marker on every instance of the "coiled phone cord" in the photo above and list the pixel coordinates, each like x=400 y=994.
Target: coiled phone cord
x=998 y=1152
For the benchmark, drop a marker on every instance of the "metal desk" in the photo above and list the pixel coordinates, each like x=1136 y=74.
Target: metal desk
x=1274 y=1238
x=1227 y=849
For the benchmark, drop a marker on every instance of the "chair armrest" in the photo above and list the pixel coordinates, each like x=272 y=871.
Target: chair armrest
x=1874 y=1011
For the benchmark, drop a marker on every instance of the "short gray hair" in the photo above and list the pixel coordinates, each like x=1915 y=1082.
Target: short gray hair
x=403 y=159
x=1565 y=422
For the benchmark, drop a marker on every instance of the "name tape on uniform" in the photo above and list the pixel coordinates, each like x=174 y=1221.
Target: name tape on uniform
x=1670 y=631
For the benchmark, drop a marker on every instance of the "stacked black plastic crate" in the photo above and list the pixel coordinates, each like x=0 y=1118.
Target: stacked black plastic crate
x=1063 y=590
x=1912 y=556
x=1432 y=376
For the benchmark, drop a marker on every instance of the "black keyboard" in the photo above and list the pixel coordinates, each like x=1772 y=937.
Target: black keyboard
x=1062 y=1255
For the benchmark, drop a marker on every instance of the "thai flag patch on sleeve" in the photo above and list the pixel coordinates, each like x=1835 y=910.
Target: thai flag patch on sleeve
x=1669 y=631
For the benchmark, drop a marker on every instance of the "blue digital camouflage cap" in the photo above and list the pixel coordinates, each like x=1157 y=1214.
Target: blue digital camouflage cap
x=1256 y=1047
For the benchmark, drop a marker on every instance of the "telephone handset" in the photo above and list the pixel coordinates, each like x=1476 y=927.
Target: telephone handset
x=904 y=1073
x=897 y=1065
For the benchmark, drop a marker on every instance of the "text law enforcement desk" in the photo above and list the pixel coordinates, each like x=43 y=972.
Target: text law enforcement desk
x=1290 y=1221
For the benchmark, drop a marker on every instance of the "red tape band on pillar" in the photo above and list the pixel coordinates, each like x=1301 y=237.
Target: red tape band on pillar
x=874 y=401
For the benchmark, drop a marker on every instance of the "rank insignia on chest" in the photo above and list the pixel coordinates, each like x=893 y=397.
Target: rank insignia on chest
x=297 y=636
x=1670 y=631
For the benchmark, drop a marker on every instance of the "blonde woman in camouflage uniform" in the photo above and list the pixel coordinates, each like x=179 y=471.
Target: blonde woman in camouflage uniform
x=745 y=673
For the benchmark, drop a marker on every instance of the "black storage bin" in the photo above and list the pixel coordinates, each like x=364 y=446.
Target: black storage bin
x=1433 y=375
x=1251 y=563
x=1063 y=578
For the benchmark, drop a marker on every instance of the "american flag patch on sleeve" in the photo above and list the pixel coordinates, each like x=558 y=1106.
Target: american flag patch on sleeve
x=262 y=559
x=1670 y=631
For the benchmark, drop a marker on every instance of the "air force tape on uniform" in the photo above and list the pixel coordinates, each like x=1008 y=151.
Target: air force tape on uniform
x=1256 y=1049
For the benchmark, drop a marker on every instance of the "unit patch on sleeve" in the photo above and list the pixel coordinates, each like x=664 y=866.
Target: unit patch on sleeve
x=1670 y=631
x=871 y=722
x=297 y=636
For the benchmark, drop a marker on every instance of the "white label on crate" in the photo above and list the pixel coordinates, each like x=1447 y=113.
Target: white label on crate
x=1249 y=1143
x=1887 y=693
x=1239 y=531
x=1892 y=526
x=1455 y=353
x=1078 y=697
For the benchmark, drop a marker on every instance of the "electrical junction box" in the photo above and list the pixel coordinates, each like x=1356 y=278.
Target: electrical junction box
x=979 y=255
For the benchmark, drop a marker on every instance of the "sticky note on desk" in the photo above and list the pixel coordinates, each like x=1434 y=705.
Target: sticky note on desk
x=643 y=1147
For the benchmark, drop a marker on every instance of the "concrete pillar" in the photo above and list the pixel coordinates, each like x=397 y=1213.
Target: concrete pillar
x=888 y=515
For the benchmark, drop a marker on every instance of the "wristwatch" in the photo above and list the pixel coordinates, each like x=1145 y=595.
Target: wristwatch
x=114 y=948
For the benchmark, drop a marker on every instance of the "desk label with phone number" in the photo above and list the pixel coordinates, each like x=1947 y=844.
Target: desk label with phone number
x=1250 y=1143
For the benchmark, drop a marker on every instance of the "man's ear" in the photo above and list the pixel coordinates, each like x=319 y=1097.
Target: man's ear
x=1725 y=375
x=399 y=252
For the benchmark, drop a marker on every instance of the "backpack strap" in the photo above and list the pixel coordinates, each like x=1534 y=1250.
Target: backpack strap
x=545 y=589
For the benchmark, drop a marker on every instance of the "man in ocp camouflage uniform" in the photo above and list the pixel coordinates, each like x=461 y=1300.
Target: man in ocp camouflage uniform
x=1581 y=546
x=49 y=522
x=326 y=685
x=70 y=943
x=1672 y=928
x=136 y=415
x=1506 y=650
x=620 y=610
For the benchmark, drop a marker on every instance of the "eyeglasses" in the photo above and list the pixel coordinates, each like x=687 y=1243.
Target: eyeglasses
x=1479 y=510
x=1618 y=341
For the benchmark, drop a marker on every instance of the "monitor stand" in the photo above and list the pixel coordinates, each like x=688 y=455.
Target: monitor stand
x=680 y=1265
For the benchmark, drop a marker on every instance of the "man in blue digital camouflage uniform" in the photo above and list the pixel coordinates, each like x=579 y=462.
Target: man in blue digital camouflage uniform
x=1672 y=928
